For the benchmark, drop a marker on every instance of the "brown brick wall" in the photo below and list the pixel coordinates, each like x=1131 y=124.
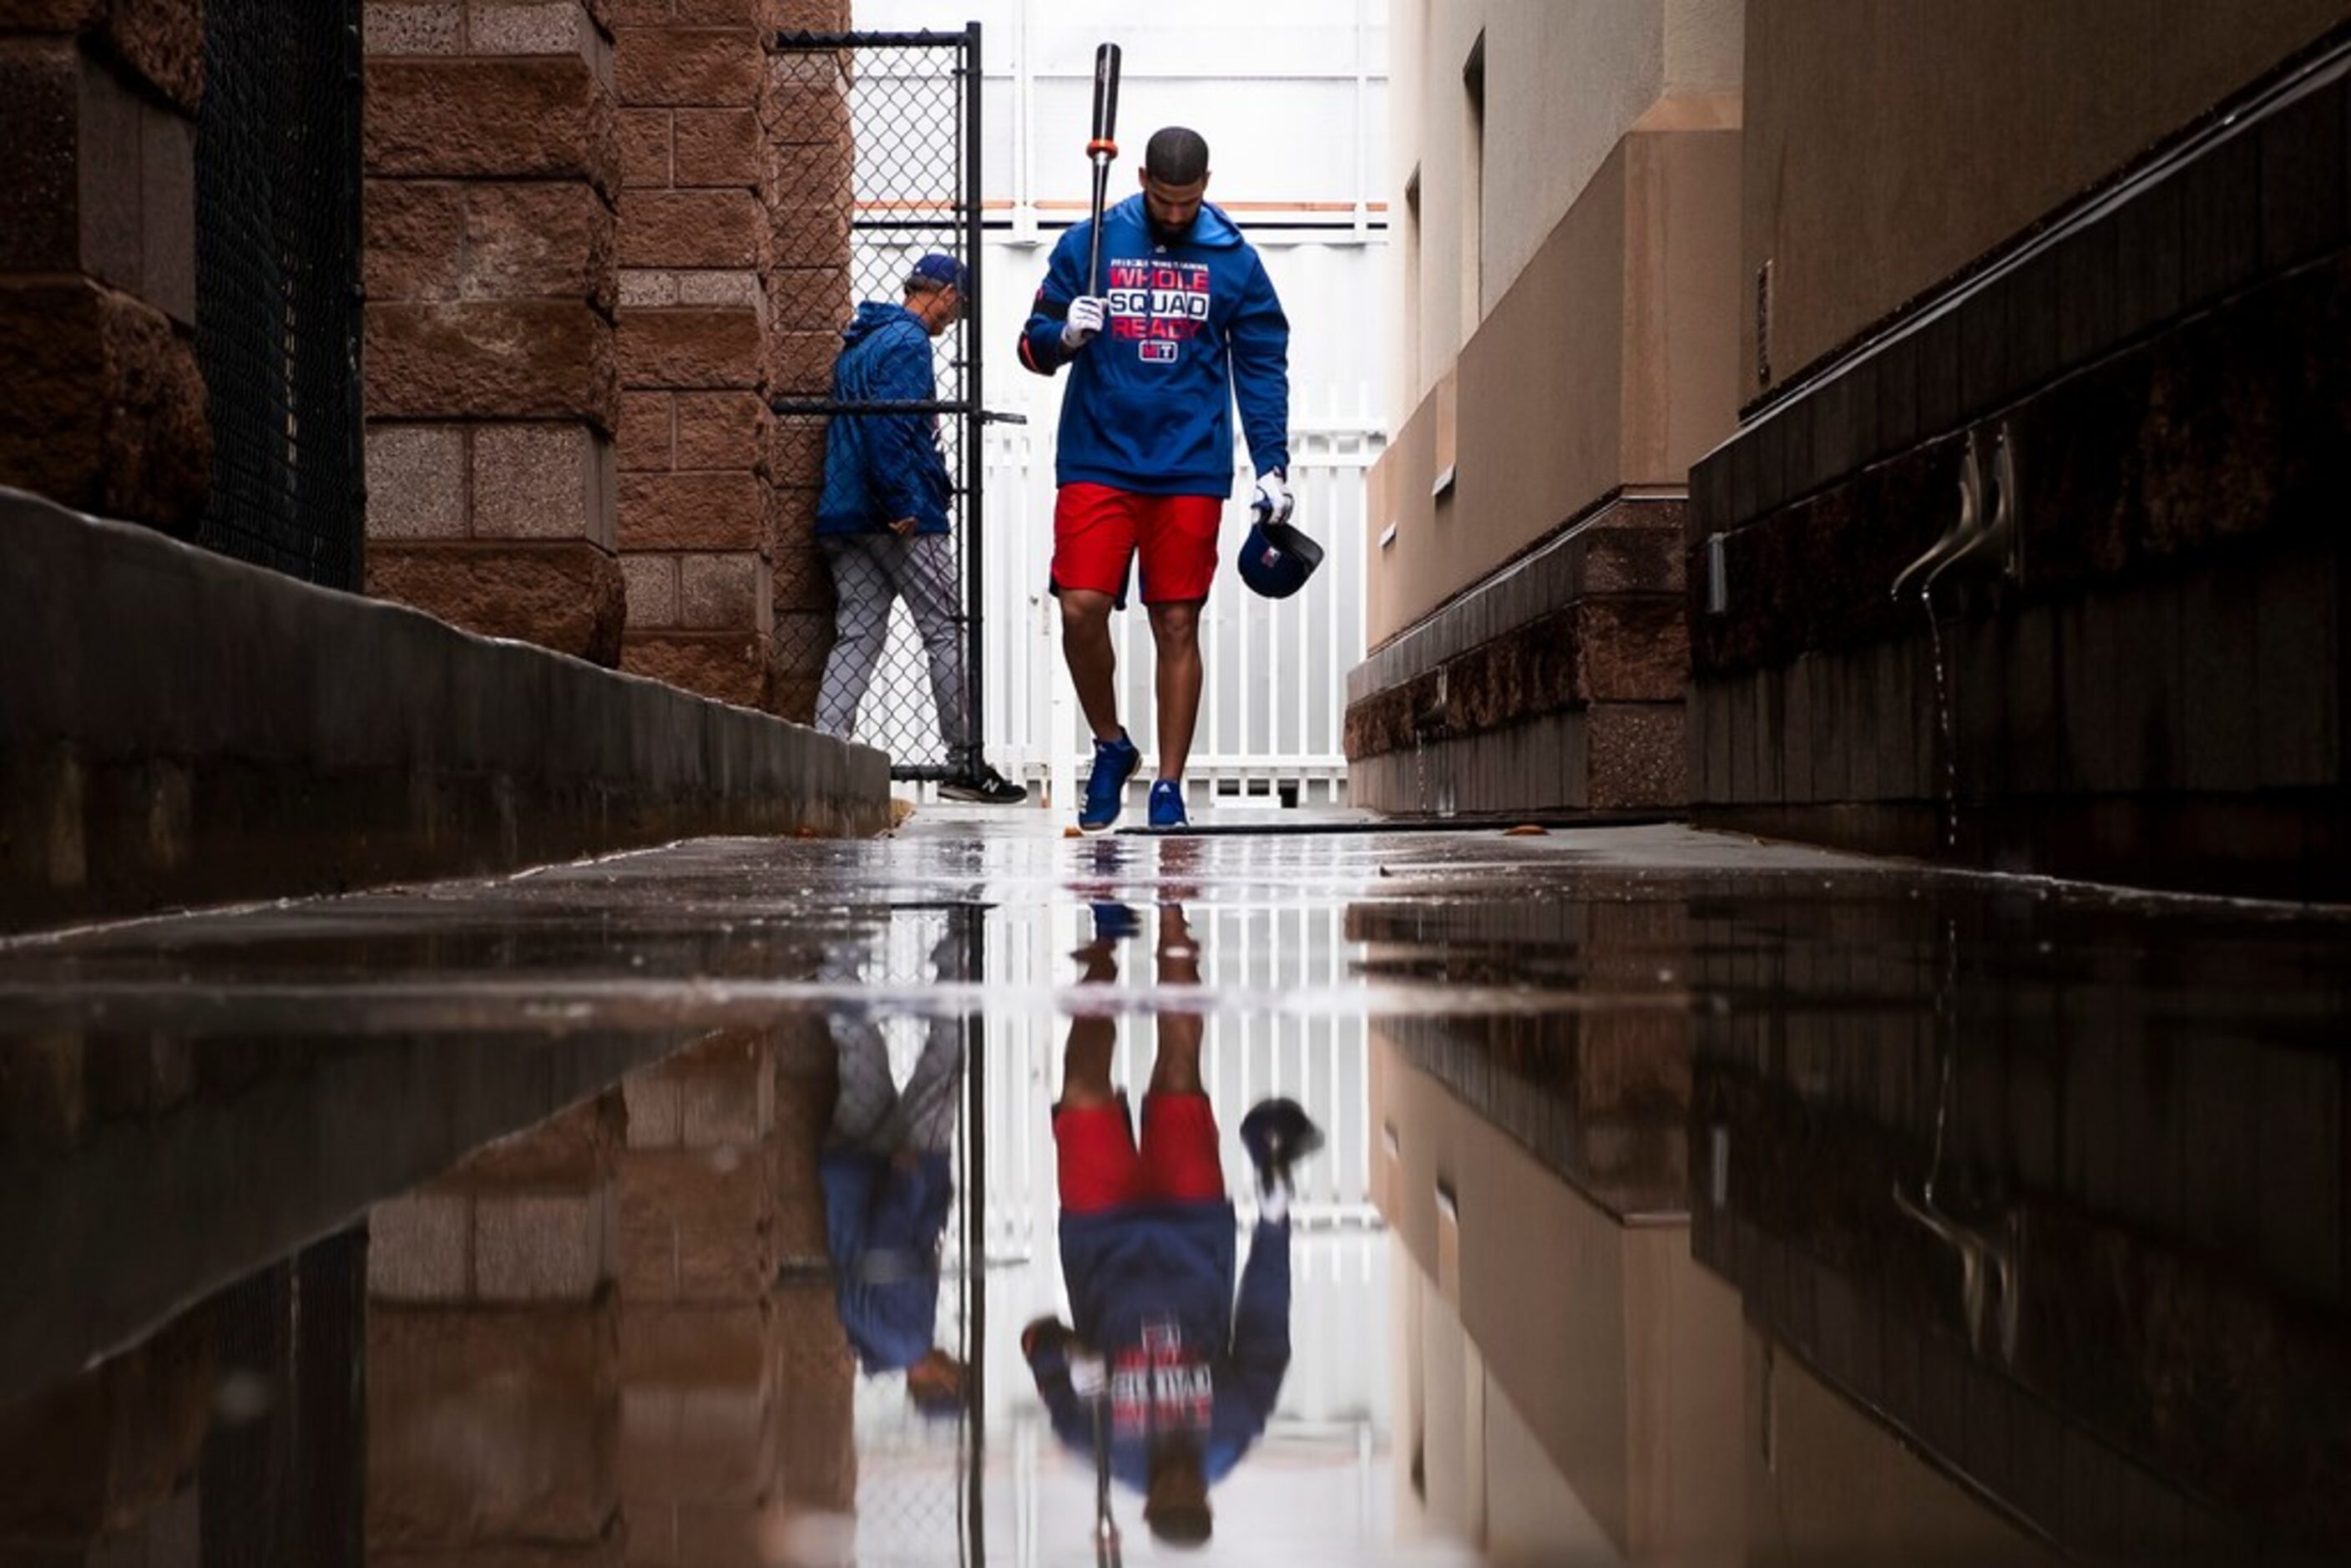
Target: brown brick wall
x=493 y=151
x=703 y=529
x=105 y=406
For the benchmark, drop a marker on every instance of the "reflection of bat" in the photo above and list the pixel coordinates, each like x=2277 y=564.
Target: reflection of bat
x=1106 y=1553
x=1101 y=147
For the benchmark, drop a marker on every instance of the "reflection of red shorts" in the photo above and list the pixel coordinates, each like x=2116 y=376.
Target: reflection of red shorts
x=1097 y=531
x=1100 y=1168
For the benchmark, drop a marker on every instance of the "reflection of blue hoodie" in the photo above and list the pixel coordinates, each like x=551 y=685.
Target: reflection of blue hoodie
x=881 y=1226
x=1192 y=324
x=1151 y=1290
x=879 y=467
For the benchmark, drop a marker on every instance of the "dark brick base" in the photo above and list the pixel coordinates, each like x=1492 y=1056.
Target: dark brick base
x=1556 y=683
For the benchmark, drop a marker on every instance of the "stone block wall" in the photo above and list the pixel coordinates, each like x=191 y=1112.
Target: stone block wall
x=1556 y=684
x=493 y=162
x=714 y=508
x=104 y=405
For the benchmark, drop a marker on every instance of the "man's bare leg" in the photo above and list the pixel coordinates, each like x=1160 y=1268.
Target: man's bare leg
x=1175 y=633
x=1093 y=663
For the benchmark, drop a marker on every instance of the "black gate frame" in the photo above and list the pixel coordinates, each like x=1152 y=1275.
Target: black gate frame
x=969 y=527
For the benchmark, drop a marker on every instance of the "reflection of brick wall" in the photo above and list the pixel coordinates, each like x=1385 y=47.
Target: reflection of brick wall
x=493 y=1353
x=719 y=1418
x=491 y=395
x=712 y=505
x=100 y=1468
x=104 y=407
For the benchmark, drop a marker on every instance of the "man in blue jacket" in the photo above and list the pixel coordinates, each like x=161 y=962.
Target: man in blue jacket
x=1159 y=1363
x=1186 y=321
x=881 y=520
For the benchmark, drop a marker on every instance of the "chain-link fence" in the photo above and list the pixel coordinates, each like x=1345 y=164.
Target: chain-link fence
x=282 y=1472
x=919 y=1495
x=277 y=284
x=900 y=408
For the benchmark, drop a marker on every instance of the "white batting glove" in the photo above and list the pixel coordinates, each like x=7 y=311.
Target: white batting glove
x=1088 y=1375
x=1085 y=318
x=1272 y=502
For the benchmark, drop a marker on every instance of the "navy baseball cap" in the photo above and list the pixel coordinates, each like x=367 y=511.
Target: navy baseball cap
x=1276 y=559
x=944 y=270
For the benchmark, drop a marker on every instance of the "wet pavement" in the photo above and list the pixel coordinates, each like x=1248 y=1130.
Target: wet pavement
x=1683 y=1198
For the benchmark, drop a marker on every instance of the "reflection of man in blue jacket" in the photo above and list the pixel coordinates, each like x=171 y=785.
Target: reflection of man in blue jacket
x=1184 y=1378
x=881 y=520
x=888 y=1186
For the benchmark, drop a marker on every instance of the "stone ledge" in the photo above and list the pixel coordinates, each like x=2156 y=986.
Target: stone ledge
x=259 y=737
x=1620 y=544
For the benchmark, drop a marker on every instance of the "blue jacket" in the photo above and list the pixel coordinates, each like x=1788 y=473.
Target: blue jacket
x=882 y=1229
x=879 y=467
x=1151 y=1289
x=1191 y=326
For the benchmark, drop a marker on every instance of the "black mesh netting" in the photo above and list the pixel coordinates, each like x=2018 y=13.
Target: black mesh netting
x=277 y=284
x=894 y=624
x=283 y=1466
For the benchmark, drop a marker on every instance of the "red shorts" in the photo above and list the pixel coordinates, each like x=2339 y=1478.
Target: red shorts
x=1099 y=531
x=1100 y=1167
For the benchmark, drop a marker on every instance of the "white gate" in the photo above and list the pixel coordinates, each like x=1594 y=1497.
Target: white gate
x=1274 y=710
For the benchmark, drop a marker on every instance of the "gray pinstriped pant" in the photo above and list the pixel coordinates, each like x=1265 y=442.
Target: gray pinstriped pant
x=869 y=570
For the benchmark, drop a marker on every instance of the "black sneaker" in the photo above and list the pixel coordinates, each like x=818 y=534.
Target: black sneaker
x=985 y=786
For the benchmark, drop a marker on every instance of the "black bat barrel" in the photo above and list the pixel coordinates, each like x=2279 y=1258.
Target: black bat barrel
x=1106 y=93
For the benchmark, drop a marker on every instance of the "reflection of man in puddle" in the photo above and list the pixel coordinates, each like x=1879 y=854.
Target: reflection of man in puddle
x=888 y=1186
x=1187 y=1379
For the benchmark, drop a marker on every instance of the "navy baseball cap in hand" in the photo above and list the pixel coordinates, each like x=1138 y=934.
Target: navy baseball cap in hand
x=940 y=268
x=1276 y=559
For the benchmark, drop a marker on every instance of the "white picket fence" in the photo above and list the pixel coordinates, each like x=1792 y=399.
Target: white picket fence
x=1273 y=713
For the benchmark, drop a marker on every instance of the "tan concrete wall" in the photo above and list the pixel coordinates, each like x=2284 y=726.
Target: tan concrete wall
x=1608 y=362
x=1618 y=1354
x=1564 y=80
x=1890 y=142
x=1833 y=1486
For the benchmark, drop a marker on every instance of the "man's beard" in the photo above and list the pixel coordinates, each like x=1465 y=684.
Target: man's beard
x=1164 y=234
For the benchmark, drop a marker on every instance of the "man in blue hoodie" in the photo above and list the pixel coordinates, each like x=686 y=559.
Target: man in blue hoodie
x=881 y=520
x=1186 y=321
x=1159 y=1365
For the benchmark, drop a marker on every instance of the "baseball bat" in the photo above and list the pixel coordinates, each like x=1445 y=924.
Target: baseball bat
x=1106 y=1544
x=1101 y=147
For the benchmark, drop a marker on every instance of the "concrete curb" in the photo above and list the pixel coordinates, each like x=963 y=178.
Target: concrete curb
x=177 y=727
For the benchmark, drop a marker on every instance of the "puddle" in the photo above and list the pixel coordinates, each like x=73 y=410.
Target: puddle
x=1669 y=1184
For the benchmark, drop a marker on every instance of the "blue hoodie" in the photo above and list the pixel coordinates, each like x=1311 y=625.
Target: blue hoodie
x=1191 y=326
x=881 y=1226
x=879 y=467
x=1151 y=1290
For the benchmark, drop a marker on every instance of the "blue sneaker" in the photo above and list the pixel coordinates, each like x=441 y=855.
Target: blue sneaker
x=1115 y=763
x=1168 y=805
